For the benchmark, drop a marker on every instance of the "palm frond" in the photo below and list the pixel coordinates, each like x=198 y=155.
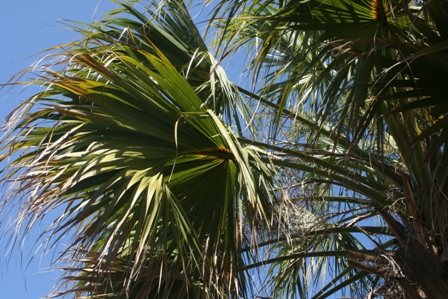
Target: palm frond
x=128 y=140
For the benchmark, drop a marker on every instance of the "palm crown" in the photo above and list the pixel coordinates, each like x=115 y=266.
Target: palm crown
x=178 y=183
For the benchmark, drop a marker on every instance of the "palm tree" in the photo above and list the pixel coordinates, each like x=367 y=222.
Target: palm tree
x=325 y=177
x=357 y=95
x=129 y=138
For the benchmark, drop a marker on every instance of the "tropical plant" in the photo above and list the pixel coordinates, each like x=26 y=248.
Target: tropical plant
x=369 y=77
x=130 y=119
x=325 y=176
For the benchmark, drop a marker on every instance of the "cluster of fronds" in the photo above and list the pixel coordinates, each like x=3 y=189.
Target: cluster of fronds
x=178 y=183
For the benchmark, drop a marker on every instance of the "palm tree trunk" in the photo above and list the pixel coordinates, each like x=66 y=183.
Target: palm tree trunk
x=422 y=270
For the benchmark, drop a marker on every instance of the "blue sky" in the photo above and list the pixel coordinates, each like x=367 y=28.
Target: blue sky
x=26 y=28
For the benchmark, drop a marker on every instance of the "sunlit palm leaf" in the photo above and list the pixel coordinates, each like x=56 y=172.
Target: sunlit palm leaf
x=154 y=184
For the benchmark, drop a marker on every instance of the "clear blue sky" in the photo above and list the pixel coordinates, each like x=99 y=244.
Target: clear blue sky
x=26 y=28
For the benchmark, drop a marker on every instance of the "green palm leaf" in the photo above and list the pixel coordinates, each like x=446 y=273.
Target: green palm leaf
x=332 y=182
x=125 y=139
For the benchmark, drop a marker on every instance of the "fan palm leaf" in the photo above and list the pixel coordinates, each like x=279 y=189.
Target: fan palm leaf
x=342 y=135
x=128 y=138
